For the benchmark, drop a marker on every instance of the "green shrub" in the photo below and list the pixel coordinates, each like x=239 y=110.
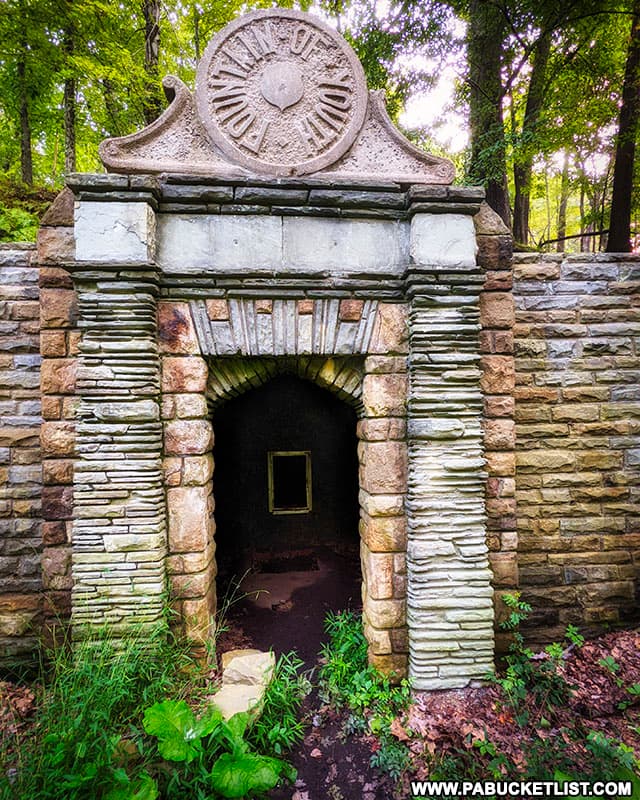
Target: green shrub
x=348 y=681
x=214 y=756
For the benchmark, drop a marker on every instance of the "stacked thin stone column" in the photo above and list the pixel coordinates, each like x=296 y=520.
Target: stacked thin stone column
x=449 y=598
x=119 y=537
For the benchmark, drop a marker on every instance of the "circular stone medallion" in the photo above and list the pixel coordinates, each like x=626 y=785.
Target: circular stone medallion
x=281 y=93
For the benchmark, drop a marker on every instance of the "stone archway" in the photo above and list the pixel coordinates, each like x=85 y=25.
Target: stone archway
x=266 y=406
x=285 y=489
x=372 y=382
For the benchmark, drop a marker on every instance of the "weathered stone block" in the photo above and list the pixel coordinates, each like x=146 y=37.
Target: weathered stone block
x=218 y=310
x=489 y=222
x=381 y=505
x=376 y=430
x=176 y=333
x=305 y=307
x=546 y=460
x=498 y=374
x=495 y=252
x=55 y=245
x=501 y=464
x=394 y=665
x=498 y=280
x=385 y=395
x=51 y=407
x=57 y=471
x=53 y=344
x=54 y=532
x=384 y=534
x=499 y=406
x=315 y=244
x=198 y=615
x=54 y=278
x=446 y=240
x=188 y=437
x=391 y=332
x=188 y=243
x=377 y=573
x=499 y=434
x=58 y=308
x=383 y=467
x=385 y=613
x=497 y=310
x=56 y=568
x=57 y=439
x=184 y=374
x=189 y=515
x=60 y=212
x=350 y=310
x=504 y=567
x=379 y=640
x=115 y=232
x=57 y=502
x=197 y=470
x=58 y=375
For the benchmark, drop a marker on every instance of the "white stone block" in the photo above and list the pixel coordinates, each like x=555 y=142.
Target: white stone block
x=114 y=232
x=184 y=242
x=355 y=245
x=191 y=243
x=443 y=240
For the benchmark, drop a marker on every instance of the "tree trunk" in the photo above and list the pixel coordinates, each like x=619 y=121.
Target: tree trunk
x=70 y=125
x=26 y=158
x=562 y=208
x=152 y=103
x=523 y=164
x=115 y=129
x=620 y=225
x=196 y=31
x=69 y=104
x=484 y=48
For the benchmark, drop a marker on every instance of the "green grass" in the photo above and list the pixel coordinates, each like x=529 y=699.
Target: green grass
x=90 y=703
x=279 y=728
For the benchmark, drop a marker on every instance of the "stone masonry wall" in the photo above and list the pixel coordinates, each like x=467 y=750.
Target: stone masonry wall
x=20 y=472
x=59 y=339
x=497 y=318
x=577 y=339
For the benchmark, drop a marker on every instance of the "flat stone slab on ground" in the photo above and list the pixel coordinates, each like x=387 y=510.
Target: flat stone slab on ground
x=249 y=668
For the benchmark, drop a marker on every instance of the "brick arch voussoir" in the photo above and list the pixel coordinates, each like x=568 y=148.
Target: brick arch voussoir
x=231 y=377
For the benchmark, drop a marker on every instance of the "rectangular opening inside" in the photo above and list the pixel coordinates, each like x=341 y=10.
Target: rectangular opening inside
x=289 y=482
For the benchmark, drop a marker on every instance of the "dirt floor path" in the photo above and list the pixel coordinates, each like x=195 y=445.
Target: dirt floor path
x=285 y=610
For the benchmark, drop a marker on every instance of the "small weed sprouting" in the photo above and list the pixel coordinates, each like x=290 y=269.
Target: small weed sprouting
x=392 y=758
x=531 y=683
x=574 y=636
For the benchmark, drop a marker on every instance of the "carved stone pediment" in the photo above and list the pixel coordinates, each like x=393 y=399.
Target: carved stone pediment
x=278 y=94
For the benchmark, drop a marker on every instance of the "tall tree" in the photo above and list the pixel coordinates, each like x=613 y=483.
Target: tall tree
x=152 y=104
x=69 y=96
x=620 y=221
x=486 y=32
x=523 y=161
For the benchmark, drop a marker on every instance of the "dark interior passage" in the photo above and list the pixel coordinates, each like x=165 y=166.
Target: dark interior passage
x=286 y=476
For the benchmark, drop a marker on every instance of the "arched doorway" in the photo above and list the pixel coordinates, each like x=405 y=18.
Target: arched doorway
x=286 y=507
